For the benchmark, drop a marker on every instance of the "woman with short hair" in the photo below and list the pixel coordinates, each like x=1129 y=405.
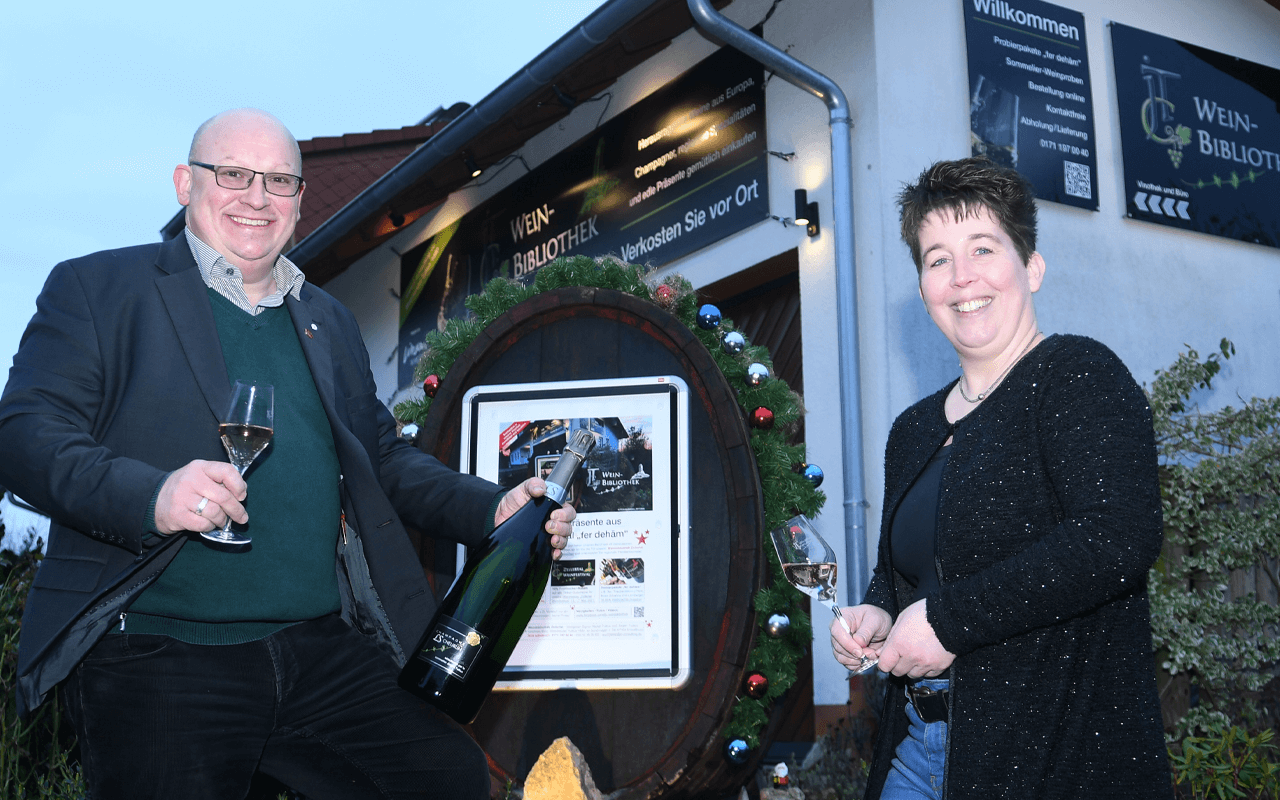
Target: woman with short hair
x=1021 y=514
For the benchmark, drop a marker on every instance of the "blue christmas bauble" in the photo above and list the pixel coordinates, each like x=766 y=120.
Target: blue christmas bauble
x=813 y=473
x=708 y=317
x=736 y=750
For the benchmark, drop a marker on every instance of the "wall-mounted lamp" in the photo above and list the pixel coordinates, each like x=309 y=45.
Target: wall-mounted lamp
x=807 y=213
x=472 y=166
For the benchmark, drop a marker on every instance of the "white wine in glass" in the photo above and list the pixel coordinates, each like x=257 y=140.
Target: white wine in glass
x=246 y=431
x=809 y=564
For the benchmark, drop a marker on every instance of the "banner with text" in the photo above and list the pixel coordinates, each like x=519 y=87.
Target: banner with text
x=1200 y=137
x=1030 y=103
x=677 y=171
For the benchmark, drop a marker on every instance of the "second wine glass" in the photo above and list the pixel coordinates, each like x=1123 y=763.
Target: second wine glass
x=809 y=564
x=246 y=431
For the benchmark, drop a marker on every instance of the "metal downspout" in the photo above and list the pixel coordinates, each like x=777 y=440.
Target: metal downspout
x=721 y=29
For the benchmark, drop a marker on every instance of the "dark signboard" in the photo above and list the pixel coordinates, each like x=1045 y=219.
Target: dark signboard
x=1200 y=135
x=1030 y=102
x=677 y=171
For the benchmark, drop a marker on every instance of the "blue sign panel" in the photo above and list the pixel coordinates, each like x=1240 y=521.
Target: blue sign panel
x=1200 y=135
x=1030 y=102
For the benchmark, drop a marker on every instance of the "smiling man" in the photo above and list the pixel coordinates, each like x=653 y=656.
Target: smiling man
x=248 y=220
x=188 y=666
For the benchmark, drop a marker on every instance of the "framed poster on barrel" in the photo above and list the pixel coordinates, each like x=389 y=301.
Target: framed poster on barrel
x=616 y=614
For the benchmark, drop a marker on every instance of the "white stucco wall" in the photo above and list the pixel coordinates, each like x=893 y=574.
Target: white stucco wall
x=1143 y=289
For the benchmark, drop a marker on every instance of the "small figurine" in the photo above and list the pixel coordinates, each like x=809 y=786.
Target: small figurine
x=780 y=774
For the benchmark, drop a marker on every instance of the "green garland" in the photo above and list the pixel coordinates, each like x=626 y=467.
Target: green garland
x=786 y=492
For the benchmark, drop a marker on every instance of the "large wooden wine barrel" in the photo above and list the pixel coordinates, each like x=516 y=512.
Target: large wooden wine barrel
x=652 y=743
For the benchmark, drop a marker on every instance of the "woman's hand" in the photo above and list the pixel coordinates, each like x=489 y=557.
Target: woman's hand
x=870 y=625
x=912 y=648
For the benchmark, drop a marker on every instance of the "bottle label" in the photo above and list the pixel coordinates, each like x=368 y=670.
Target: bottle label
x=453 y=646
x=556 y=492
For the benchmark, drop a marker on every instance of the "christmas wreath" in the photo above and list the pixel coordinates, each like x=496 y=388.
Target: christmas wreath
x=790 y=486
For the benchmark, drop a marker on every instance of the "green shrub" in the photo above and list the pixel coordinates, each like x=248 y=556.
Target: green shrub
x=1220 y=481
x=1214 y=616
x=36 y=756
x=1228 y=763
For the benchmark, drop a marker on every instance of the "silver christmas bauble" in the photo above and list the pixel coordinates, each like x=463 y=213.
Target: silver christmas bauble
x=777 y=625
x=733 y=343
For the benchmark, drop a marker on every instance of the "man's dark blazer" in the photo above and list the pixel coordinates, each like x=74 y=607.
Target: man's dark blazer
x=120 y=380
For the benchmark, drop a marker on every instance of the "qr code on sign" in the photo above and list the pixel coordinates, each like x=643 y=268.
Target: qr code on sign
x=637 y=611
x=1077 y=179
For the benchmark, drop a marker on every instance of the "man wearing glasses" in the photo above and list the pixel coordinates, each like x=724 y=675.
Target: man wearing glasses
x=188 y=666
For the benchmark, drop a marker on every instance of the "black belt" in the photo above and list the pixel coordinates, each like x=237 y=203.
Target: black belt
x=930 y=704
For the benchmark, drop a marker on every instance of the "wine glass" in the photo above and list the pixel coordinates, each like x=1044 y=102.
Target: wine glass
x=246 y=431
x=809 y=564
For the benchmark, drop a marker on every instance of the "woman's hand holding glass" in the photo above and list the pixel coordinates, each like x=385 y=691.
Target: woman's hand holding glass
x=859 y=647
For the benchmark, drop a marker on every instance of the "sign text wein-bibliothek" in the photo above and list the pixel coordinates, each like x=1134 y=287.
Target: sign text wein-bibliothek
x=673 y=173
x=1200 y=135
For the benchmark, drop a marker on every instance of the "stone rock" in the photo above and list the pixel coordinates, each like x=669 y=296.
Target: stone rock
x=561 y=773
x=789 y=793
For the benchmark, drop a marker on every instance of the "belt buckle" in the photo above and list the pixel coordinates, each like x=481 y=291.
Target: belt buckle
x=929 y=703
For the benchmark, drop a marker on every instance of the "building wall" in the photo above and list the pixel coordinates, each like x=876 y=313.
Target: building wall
x=1145 y=290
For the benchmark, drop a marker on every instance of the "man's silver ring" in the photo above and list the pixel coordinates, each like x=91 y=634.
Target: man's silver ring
x=204 y=501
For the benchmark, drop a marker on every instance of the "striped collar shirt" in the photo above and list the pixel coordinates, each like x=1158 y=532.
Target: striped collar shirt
x=227 y=280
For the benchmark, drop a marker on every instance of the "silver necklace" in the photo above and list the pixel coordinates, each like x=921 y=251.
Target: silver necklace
x=983 y=395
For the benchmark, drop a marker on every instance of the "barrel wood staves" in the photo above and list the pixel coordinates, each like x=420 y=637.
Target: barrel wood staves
x=638 y=744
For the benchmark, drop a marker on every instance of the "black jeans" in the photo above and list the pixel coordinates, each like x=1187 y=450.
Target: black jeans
x=315 y=706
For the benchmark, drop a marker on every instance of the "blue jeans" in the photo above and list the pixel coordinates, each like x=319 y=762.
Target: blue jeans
x=315 y=706
x=920 y=761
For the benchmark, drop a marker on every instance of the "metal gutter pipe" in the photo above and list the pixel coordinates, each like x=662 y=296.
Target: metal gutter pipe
x=716 y=26
x=594 y=30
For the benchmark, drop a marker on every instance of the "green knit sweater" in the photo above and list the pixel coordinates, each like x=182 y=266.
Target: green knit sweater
x=212 y=594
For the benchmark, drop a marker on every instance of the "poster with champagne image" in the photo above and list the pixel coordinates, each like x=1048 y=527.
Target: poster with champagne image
x=609 y=600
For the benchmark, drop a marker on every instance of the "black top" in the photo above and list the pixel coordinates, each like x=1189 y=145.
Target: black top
x=915 y=524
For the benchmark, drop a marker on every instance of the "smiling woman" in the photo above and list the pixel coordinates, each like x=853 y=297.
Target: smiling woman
x=977 y=289
x=1021 y=514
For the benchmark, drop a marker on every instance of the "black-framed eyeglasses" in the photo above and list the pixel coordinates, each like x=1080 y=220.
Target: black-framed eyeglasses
x=281 y=184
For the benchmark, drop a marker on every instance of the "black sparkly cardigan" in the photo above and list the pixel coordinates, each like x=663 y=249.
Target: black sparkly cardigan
x=1048 y=520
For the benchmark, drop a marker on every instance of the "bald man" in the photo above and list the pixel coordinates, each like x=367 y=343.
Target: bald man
x=188 y=666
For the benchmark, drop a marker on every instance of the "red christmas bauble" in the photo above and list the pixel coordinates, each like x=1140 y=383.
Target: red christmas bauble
x=665 y=294
x=431 y=384
x=757 y=685
x=762 y=418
